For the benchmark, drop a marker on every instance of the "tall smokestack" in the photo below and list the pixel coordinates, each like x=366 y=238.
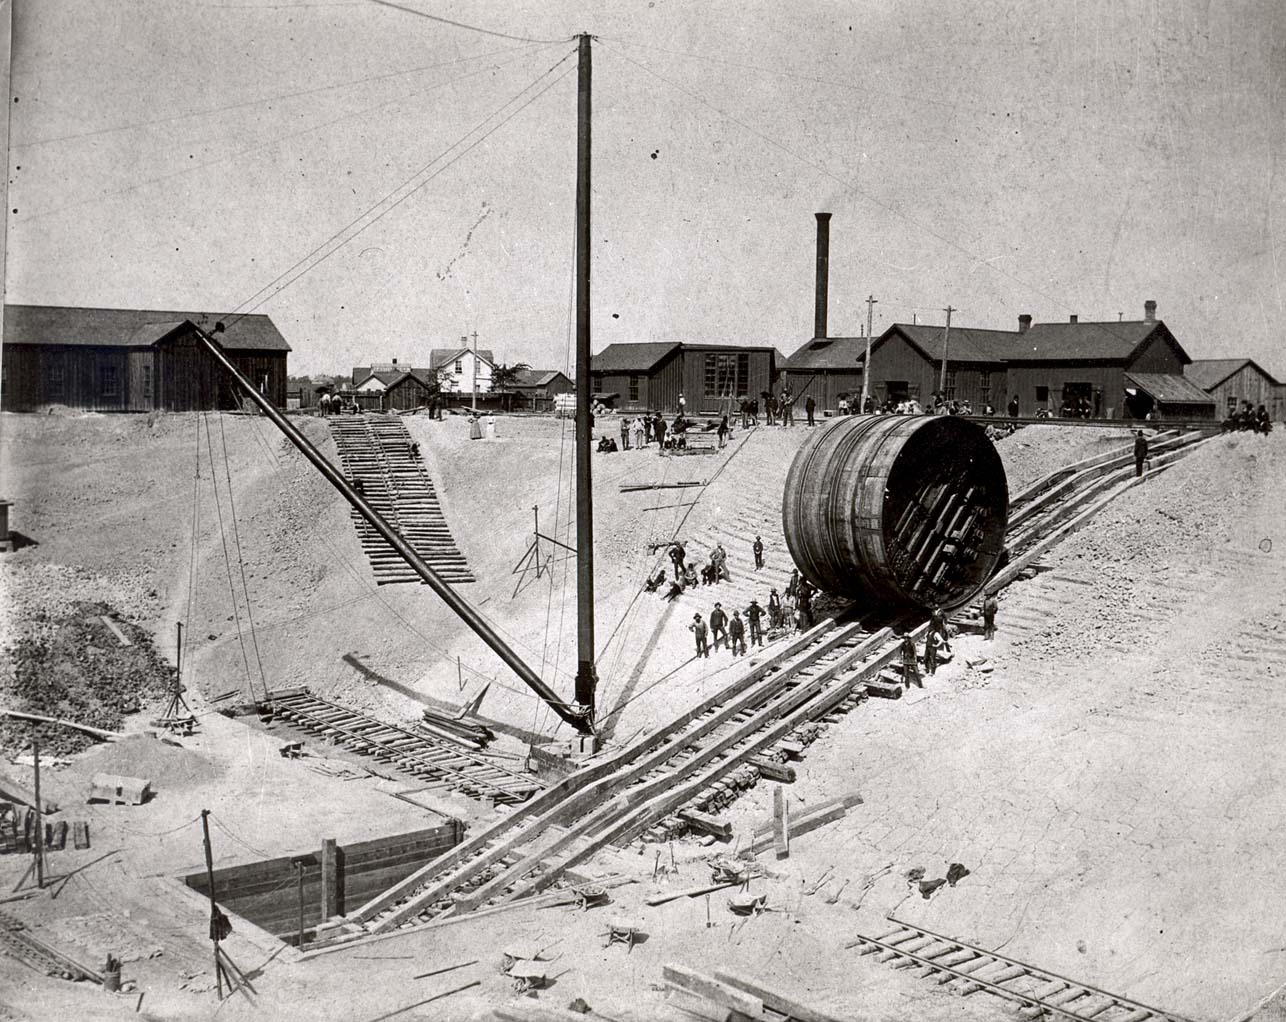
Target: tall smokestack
x=823 y=273
x=1149 y=307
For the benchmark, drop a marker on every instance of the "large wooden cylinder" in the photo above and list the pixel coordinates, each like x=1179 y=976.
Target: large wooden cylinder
x=896 y=509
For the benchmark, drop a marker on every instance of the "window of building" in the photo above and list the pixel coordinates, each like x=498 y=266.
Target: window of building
x=459 y=365
x=147 y=384
x=725 y=375
x=108 y=381
x=984 y=386
x=1042 y=395
x=634 y=386
x=950 y=394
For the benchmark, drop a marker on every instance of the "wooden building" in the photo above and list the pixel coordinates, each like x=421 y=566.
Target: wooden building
x=414 y=388
x=1229 y=381
x=1120 y=369
x=826 y=369
x=133 y=360
x=650 y=376
x=537 y=388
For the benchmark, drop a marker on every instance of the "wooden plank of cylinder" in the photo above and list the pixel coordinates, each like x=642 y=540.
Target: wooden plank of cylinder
x=899 y=510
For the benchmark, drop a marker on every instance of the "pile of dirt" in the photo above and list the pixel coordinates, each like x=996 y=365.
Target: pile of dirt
x=167 y=766
x=1035 y=451
x=74 y=667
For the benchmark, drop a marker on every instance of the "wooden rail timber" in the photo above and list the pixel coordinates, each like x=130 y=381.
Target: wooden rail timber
x=554 y=798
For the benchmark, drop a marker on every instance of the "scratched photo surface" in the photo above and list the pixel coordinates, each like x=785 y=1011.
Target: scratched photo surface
x=643 y=510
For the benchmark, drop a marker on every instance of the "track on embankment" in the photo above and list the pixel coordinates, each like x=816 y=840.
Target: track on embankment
x=684 y=763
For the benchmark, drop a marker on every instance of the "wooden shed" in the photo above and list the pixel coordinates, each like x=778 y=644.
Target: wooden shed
x=652 y=375
x=133 y=360
x=1230 y=381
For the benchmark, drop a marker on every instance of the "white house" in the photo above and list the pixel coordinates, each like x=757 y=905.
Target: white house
x=457 y=368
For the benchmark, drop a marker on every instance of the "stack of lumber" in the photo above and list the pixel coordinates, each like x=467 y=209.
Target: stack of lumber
x=727 y=996
x=457 y=729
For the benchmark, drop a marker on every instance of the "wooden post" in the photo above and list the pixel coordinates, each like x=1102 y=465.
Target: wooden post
x=40 y=822
x=300 y=866
x=781 y=822
x=871 y=302
x=329 y=878
x=214 y=907
x=946 y=340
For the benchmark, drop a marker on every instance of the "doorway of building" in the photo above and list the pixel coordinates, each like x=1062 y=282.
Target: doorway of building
x=1077 y=402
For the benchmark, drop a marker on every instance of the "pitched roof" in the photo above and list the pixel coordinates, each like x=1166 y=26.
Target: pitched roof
x=632 y=358
x=535 y=377
x=828 y=353
x=1041 y=342
x=131 y=328
x=363 y=373
x=1170 y=389
x=424 y=376
x=1208 y=373
x=438 y=357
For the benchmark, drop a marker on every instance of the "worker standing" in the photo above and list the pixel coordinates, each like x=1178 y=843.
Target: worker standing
x=677 y=556
x=989 y=608
x=658 y=428
x=931 y=651
x=698 y=629
x=809 y=407
x=938 y=623
x=737 y=634
x=625 y=433
x=753 y=613
x=774 y=610
x=910 y=669
x=1140 y=452
x=718 y=622
x=758 y=548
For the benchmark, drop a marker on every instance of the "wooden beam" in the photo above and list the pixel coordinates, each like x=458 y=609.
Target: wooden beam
x=712 y=990
x=781 y=822
x=774 y=999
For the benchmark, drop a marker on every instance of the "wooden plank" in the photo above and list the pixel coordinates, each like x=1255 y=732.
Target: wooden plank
x=774 y=998
x=691 y=892
x=781 y=820
x=713 y=990
x=662 y=790
x=121 y=637
x=592 y=782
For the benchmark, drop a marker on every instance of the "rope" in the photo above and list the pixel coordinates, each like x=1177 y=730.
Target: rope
x=236 y=536
x=227 y=557
x=470 y=28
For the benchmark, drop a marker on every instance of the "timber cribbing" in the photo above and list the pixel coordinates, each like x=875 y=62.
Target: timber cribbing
x=688 y=767
x=376 y=451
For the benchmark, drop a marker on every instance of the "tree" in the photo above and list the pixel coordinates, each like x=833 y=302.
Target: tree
x=504 y=377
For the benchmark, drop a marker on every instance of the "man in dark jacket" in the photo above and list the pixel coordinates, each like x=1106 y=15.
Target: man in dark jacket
x=718 y=622
x=658 y=430
x=677 y=556
x=989 y=608
x=810 y=406
x=758 y=549
x=910 y=670
x=737 y=634
x=753 y=615
x=1140 y=452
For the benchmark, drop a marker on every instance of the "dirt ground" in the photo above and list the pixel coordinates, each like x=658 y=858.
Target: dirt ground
x=1113 y=782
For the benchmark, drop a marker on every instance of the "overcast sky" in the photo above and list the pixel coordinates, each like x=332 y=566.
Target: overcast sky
x=1003 y=157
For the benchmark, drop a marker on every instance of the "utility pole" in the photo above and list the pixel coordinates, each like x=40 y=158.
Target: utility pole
x=586 y=676
x=217 y=920
x=475 y=372
x=946 y=340
x=871 y=302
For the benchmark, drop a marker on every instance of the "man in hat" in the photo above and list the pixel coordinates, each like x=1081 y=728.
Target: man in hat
x=989 y=608
x=931 y=651
x=1140 y=452
x=718 y=623
x=753 y=613
x=774 y=610
x=677 y=556
x=698 y=629
x=759 y=553
x=737 y=634
x=910 y=671
x=938 y=623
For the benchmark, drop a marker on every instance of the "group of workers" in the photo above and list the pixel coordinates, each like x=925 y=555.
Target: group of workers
x=936 y=638
x=1249 y=419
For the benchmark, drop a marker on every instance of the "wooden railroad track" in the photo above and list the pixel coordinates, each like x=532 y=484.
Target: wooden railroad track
x=966 y=969
x=428 y=757
x=816 y=675
x=375 y=450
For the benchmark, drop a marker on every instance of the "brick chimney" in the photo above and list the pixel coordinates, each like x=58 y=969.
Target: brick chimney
x=1073 y=318
x=1149 y=311
x=1024 y=323
x=823 y=273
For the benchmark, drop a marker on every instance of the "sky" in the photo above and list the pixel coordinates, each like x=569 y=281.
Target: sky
x=382 y=183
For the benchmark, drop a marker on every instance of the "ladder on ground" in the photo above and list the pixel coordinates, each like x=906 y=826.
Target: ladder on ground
x=375 y=451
